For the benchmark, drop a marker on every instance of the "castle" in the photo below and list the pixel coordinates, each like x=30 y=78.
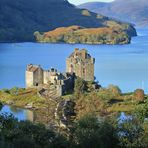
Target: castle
x=82 y=64
x=79 y=64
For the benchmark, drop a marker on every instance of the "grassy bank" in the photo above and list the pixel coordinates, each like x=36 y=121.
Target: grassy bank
x=104 y=101
x=89 y=105
x=22 y=97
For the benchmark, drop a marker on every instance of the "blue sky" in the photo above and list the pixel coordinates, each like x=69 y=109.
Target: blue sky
x=76 y=2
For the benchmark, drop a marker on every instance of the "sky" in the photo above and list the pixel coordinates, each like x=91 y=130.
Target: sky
x=77 y=2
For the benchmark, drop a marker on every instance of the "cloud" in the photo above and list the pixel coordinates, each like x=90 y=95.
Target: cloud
x=77 y=2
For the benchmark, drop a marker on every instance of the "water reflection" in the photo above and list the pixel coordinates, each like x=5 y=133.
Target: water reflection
x=124 y=117
x=20 y=114
x=37 y=116
x=42 y=116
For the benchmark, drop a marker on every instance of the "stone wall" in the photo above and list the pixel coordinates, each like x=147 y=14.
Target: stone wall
x=38 y=77
x=29 y=79
x=59 y=84
x=79 y=63
x=49 y=76
x=82 y=64
x=34 y=78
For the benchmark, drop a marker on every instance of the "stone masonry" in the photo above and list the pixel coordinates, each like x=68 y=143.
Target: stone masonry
x=79 y=64
x=82 y=64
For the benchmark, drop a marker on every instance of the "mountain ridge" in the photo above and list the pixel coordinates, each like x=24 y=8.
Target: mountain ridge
x=133 y=11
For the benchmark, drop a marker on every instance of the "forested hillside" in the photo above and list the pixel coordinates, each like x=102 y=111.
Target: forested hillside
x=19 y=19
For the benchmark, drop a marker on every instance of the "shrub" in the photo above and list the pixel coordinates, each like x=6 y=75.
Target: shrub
x=6 y=91
x=14 y=91
x=25 y=134
x=80 y=86
x=142 y=111
x=90 y=132
x=115 y=90
x=131 y=134
x=139 y=95
x=1 y=106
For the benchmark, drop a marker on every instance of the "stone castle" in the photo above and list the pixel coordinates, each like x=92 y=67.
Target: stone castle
x=79 y=64
x=82 y=64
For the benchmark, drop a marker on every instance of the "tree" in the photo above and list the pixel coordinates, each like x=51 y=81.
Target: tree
x=1 y=106
x=89 y=132
x=139 y=95
x=80 y=86
x=142 y=111
x=131 y=133
x=115 y=90
x=24 y=134
x=24 y=142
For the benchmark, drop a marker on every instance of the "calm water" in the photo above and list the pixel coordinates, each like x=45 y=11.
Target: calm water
x=21 y=114
x=25 y=114
x=122 y=65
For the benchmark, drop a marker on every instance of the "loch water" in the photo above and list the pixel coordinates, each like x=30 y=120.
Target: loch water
x=36 y=117
x=19 y=113
x=122 y=65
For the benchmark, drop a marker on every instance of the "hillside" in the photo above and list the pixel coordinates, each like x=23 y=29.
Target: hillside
x=77 y=34
x=134 y=11
x=19 y=19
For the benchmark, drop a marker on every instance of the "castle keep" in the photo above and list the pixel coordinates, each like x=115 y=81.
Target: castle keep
x=82 y=64
x=79 y=64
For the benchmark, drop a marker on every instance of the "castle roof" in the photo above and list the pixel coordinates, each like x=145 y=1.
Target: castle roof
x=81 y=54
x=32 y=68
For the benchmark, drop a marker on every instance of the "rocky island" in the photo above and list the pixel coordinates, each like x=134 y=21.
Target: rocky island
x=77 y=34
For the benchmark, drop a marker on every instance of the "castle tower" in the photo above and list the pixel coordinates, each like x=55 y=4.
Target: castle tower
x=82 y=64
x=34 y=75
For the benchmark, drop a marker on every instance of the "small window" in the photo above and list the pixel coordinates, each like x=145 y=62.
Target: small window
x=36 y=84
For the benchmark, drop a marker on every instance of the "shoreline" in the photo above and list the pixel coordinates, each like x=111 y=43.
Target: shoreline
x=17 y=42
x=27 y=97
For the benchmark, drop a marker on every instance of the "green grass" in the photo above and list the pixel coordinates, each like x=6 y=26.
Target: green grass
x=66 y=97
x=99 y=102
x=22 y=98
x=119 y=107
